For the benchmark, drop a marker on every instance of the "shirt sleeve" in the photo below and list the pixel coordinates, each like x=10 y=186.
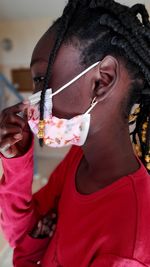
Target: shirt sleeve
x=30 y=252
x=108 y=260
x=20 y=210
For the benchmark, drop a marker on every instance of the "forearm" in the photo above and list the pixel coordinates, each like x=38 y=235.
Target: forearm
x=30 y=252
x=17 y=212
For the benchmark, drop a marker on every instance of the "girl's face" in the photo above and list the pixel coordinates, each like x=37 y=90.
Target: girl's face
x=73 y=100
x=109 y=82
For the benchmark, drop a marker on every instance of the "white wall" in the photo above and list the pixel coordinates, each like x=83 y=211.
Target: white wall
x=12 y=9
x=24 y=35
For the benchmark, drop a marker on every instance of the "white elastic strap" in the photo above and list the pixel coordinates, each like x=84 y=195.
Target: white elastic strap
x=92 y=106
x=75 y=79
x=35 y=98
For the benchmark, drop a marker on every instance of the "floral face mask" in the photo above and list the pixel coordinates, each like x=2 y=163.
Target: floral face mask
x=59 y=132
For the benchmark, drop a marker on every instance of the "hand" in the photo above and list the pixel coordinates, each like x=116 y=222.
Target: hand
x=15 y=134
x=45 y=227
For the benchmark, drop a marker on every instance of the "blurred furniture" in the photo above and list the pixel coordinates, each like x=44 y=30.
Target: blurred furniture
x=22 y=80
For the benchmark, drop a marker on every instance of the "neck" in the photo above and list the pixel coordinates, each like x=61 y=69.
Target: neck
x=109 y=155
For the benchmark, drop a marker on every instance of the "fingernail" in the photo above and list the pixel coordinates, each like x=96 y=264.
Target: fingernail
x=39 y=224
x=51 y=234
x=10 y=156
x=17 y=136
x=26 y=102
x=54 y=227
x=6 y=147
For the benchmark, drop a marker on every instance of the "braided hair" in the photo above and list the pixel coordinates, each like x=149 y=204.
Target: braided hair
x=105 y=27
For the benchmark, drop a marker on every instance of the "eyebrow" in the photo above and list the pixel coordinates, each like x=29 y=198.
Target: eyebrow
x=37 y=60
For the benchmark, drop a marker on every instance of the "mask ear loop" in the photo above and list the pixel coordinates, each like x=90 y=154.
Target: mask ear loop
x=75 y=79
x=41 y=125
x=93 y=104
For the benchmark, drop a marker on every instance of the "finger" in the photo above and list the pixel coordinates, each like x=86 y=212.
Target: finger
x=7 y=143
x=50 y=223
x=4 y=148
x=16 y=108
x=10 y=130
x=17 y=120
x=47 y=231
x=46 y=219
x=35 y=233
x=8 y=152
x=26 y=102
x=39 y=224
x=14 y=119
x=51 y=234
x=53 y=227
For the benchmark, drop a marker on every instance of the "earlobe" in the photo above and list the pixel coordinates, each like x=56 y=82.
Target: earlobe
x=108 y=74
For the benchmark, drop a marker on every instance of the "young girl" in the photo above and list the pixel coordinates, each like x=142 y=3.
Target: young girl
x=95 y=209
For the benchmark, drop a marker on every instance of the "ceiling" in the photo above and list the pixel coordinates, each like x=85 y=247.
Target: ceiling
x=28 y=9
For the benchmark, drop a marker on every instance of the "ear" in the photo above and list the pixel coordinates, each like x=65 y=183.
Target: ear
x=108 y=74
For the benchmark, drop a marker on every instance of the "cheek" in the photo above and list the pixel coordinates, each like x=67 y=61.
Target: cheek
x=71 y=102
x=66 y=105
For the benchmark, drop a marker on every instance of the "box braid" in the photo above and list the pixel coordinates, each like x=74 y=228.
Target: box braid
x=105 y=27
x=65 y=19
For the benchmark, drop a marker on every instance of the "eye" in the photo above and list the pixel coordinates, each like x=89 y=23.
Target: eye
x=38 y=79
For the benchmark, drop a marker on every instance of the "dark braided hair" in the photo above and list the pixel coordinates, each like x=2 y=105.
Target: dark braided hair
x=105 y=27
x=64 y=23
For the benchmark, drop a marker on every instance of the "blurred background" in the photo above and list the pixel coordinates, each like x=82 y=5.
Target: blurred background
x=22 y=23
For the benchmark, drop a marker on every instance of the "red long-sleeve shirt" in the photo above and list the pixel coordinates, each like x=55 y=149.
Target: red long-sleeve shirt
x=108 y=228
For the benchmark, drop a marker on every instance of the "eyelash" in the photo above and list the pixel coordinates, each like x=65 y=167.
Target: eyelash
x=39 y=79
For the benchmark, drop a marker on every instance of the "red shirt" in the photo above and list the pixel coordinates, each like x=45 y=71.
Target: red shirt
x=108 y=228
